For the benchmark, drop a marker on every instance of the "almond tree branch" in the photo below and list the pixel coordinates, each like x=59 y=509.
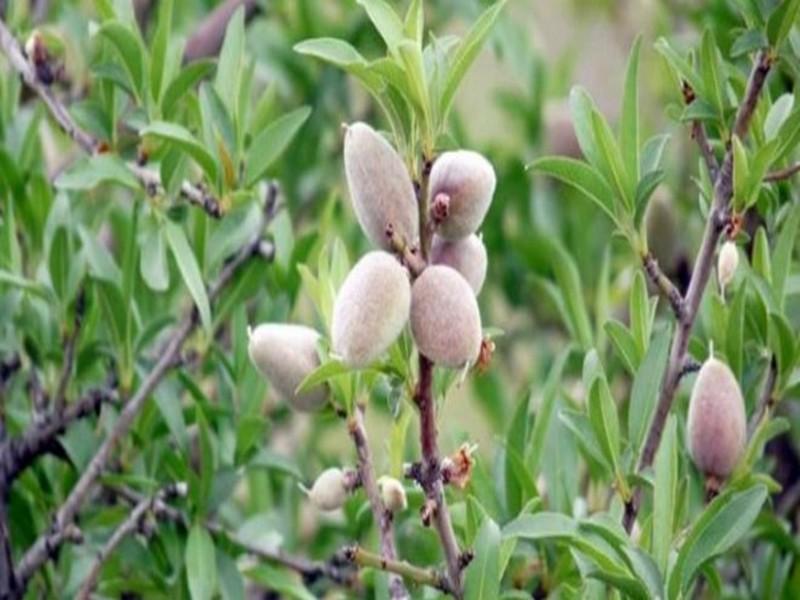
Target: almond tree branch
x=150 y=180
x=419 y=575
x=128 y=527
x=782 y=174
x=664 y=284
x=44 y=546
x=699 y=135
x=717 y=219
x=383 y=517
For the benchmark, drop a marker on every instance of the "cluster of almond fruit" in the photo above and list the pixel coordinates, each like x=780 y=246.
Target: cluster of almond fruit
x=383 y=292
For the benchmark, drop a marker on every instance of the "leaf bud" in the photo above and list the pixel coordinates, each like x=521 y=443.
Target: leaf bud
x=371 y=308
x=445 y=320
x=285 y=354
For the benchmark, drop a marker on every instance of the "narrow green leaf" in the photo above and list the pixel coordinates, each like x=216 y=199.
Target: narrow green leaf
x=741 y=173
x=777 y=115
x=201 y=565
x=229 y=70
x=640 y=313
x=414 y=22
x=652 y=152
x=187 y=265
x=762 y=264
x=665 y=494
x=543 y=418
x=465 y=55
x=646 y=386
x=624 y=344
x=333 y=50
x=541 y=526
x=783 y=344
x=569 y=281
x=153 y=256
x=629 y=126
x=183 y=138
x=129 y=49
x=782 y=256
x=711 y=76
x=781 y=21
x=90 y=171
x=582 y=177
x=603 y=415
x=189 y=76
x=324 y=372
x=681 y=66
x=611 y=161
x=734 y=336
x=385 y=20
x=482 y=581
x=271 y=143
x=158 y=55
x=581 y=108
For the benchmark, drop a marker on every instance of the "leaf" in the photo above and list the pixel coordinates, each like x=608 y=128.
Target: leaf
x=665 y=494
x=581 y=108
x=482 y=580
x=541 y=526
x=603 y=416
x=229 y=70
x=681 y=66
x=129 y=49
x=465 y=55
x=189 y=76
x=543 y=418
x=611 y=162
x=153 y=256
x=646 y=386
x=782 y=256
x=281 y=581
x=158 y=55
x=749 y=41
x=569 y=281
x=629 y=127
x=781 y=21
x=777 y=115
x=324 y=372
x=333 y=50
x=187 y=265
x=721 y=525
x=640 y=313
x=414 y=22
x=710 y=69
x=582 y=177
x=271 y=143
x=90 y=171
x=624 y=344
x=782 y=342
x=741 y=173
x=385 y=20
x=652 y=152
x=734 y=336
x=183 y=138
x=201 y=565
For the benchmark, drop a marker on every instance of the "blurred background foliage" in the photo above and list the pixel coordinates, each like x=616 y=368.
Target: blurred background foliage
x=229 y=431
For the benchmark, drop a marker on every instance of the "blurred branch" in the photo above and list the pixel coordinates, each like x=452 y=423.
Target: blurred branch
x=699 y=135
x=717 y=220
x=129 y=526
x=150 y=180
x=664 y=284
x=419 y=575
x=782 y=174
x=207 y=39
x=383 y=517
x=169 y=357
x=766 y=399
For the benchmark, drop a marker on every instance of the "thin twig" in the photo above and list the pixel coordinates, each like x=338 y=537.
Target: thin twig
x=717 y=219
x=664 y=284
x=150 y=180
x=419 y=575
x=383 y=517
x=766 y=399
x=699 y=135
x=42 y=549
x=782 y=174
x=128 y=527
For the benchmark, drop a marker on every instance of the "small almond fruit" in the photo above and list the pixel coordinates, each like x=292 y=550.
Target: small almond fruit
x=393 y=494
x=716 y=423
x=445 y=319
x=462 y=184
x=285 y=354
x=371 y=308
x=380 y=187
x=727 y=261
x=467 y=256
x=330 y=490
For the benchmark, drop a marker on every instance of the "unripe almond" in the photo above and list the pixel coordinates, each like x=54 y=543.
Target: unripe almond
x=727 y=261
x=445 y=319
x=285 y=354
x=467 y=256
x=371 y=308
x=380 y=187
x=462 y=183
x=716 y=422
x=329 y=491
x=393 y=494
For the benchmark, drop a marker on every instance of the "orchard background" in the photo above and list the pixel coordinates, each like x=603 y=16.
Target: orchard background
x=175 y=174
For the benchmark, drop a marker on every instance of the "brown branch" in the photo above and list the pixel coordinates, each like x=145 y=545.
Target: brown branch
x=717 y=219
x=43 y=547
x=699 y=135
x=782 y=174
x=150 y=180
x=664 y=284
x=128 y=527
x=383 y=517
x=431 y=476
x=766 y=399
x=404 y=569
x=207 y=39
